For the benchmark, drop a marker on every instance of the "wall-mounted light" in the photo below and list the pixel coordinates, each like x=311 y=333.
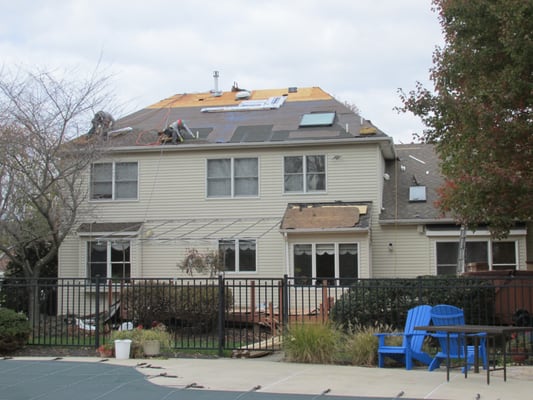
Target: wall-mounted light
x=390 y=246
x=336 y=157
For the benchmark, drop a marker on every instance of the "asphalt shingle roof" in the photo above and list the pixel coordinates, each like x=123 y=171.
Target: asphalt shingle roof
x=415 y=165
x=245 y=126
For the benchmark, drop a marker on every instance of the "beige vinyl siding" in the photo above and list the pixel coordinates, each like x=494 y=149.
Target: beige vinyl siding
x=410 y=255
x=173 y=184
x=69 y=257
x=172 y=188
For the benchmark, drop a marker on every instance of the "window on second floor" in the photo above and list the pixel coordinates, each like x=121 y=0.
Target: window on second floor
x=304 y=174
x=114 y=181
x=239 y=255
x=109 y=259
x=233 y=177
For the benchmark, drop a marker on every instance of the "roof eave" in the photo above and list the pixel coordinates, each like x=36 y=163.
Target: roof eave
x=324 y=230
x=106 y=234
x=386 y=145
x=416 y=221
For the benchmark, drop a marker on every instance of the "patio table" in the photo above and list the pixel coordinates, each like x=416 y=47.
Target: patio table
x=489 y=330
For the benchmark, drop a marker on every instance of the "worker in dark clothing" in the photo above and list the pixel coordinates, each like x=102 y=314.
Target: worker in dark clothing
x=102 y=123
x=174 y=132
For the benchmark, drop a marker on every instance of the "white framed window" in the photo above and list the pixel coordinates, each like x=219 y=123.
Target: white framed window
x=487 y=254
x=233 y=177
x=240 y=255
x=304 y=174
x=114 y=181
x=109 y=259
x=315 y=262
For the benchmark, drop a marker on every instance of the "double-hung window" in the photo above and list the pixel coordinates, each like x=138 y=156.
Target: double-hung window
x=239 y=255
x=304 y=174
x=114 y=181
x=233 y=177
x=109 y=259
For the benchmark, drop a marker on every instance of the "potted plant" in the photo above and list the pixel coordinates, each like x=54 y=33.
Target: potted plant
x=133 y=335
x=153 y=340
x=518 y=348
x=106 y=350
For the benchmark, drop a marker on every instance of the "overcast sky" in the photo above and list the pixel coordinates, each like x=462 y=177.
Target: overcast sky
x=360 y=51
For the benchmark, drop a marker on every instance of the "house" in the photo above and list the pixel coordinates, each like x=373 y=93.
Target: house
x=281 y=181
x=421 y=240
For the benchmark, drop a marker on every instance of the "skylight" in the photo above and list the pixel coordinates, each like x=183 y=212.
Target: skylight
x=317 y=119
x=417 y=193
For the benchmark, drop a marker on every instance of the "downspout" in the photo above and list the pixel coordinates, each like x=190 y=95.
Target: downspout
x=287 y=260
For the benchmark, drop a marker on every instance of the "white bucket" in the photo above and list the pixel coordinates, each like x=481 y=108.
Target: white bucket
x=122 y=349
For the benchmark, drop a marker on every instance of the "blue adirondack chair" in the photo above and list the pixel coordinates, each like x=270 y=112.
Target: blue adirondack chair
x=411 y=348
x=445 y=314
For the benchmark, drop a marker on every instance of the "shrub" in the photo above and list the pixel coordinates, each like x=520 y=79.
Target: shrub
x=361 y=347
x=159 y=333
x=386 y=301
x=311 y=343
x=194 y=306
x=14 y=330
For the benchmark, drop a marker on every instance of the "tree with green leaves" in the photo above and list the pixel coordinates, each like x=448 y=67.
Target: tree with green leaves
x=41 y=165
x=480 y=113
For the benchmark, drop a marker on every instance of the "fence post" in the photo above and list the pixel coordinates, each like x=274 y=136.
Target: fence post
x=419 y=291
x=221 y=314
x=97 y=312
x=285 y=302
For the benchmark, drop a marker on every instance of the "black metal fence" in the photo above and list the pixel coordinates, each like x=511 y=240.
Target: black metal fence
x=249 y=314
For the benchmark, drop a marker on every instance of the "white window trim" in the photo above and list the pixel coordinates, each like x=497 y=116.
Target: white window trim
x=479 y=233
x=305 y=189
x=336 y=257
x=108 y=256
x=232 y=179
x=113 y=182
x=237 y=256
x=489 y=243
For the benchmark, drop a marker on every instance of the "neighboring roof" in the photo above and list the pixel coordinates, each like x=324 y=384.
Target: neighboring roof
x=334 y=216
x=264 y=117
x=95 y=228
x=416 y=165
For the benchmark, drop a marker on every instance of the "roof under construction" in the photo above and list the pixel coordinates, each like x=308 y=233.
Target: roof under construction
x=241 y=116
x=326 y=216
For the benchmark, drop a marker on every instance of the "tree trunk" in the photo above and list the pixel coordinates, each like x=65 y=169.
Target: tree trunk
x=462 y=251
x=33 y=302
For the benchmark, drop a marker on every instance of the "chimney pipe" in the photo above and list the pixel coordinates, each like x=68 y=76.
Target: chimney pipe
x=216 y=92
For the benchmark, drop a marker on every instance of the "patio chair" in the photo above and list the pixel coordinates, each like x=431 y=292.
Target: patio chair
x=86 y=325
x=411 y=348
x=444 y=314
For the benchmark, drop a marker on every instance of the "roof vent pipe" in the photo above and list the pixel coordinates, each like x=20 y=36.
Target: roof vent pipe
x=215 y=91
